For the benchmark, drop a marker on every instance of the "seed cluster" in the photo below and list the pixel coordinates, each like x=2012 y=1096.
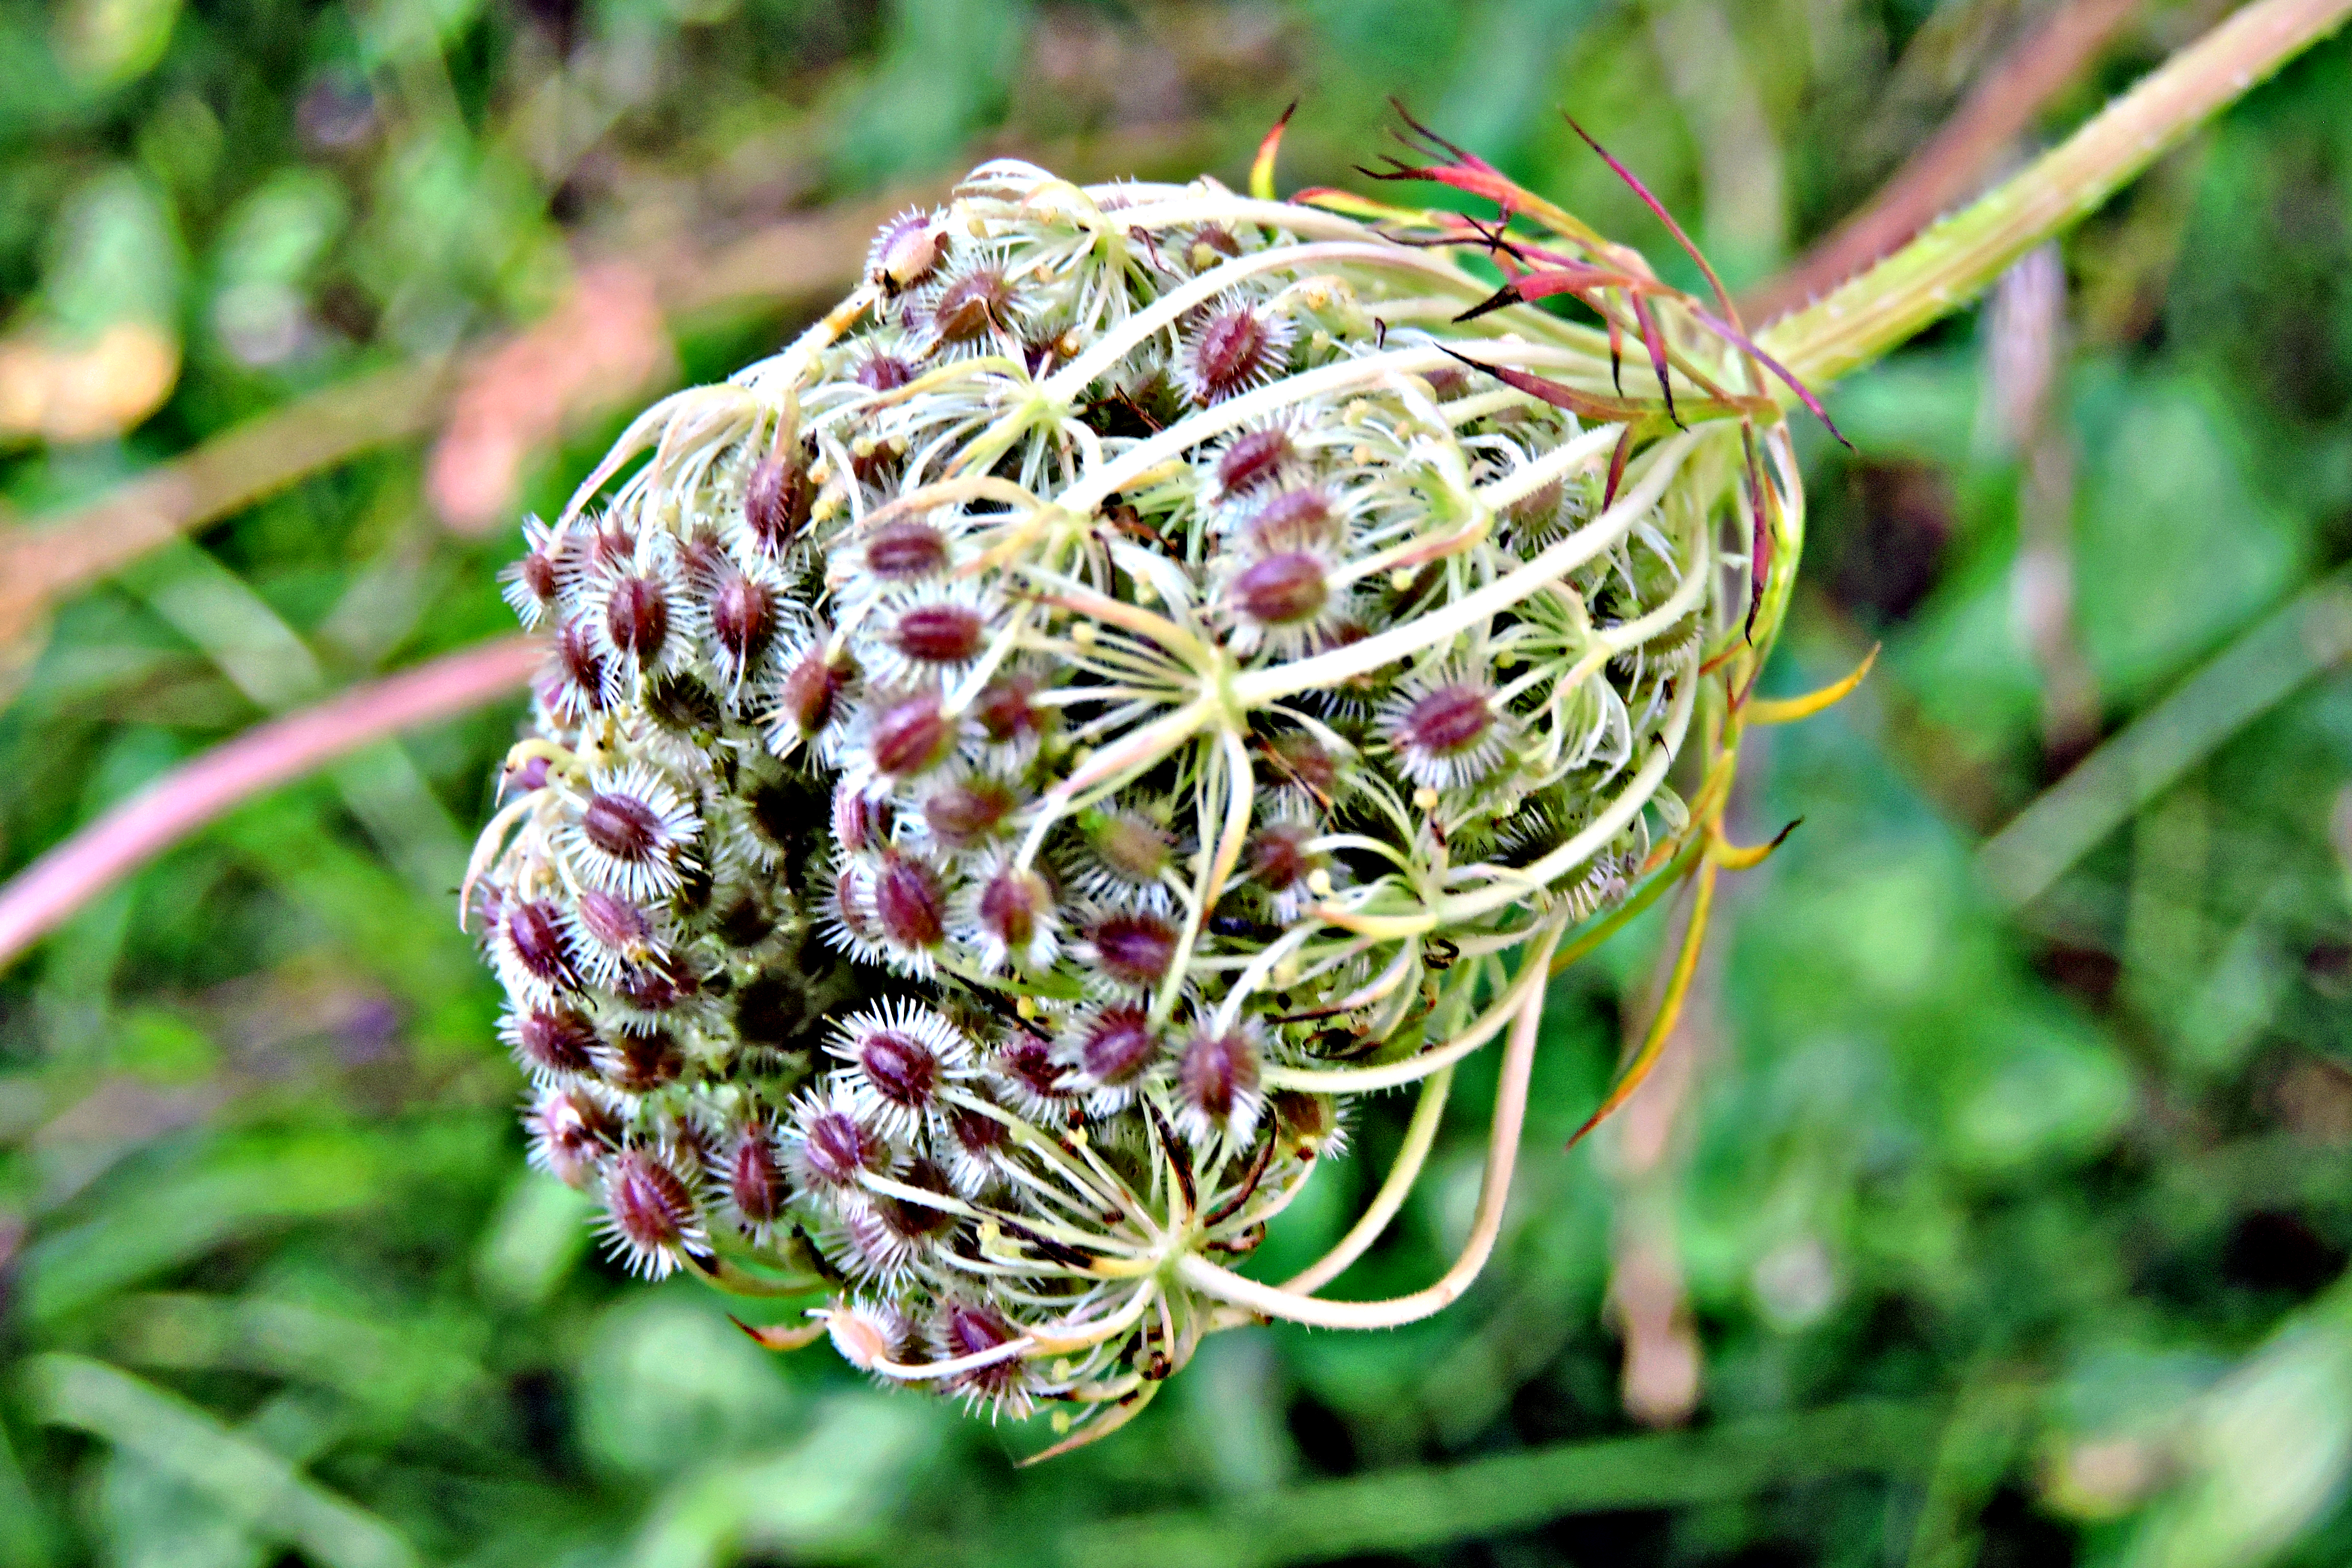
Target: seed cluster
x=1013 y=765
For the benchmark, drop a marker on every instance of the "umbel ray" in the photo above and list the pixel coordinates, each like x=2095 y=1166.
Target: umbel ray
x=1151 y=667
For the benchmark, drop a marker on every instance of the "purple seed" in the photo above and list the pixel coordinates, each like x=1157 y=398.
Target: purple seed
x=1292 y=518
x=538 y=573
x=534 y=931
x=1218 y=238
x=1446 y=720
x=639 y=1064
x=622 y=826
x=1012 y=905
x=836 y=1148
x=902 y=1068
x=1253 y=459
x=883 y=372
x=776 y=499
x=636 y=614
x=1006 y=712
x=1278 y=857
x=976 y=1132
x=1134 y=949
x=582 y=666
x=911 y=735
x=962 y=815
x=1031 y=1063
x=810 y=691
x=1119 y=1045
x=742 y=617
x=1282 y=590
x=1216 y=1072
x=650 y=1204
x=755 y=1181
x=938 y=633
x=557 y=1041
x=656 y=987
x=971 y=304
x=614 y=922
x=1300 y=758
x=1232 y=351
x=905 y=550
x=908 y=904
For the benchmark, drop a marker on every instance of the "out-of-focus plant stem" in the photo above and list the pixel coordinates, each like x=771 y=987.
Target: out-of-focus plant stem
x=47 y=891
x=1952 y=262
x=2007 y=96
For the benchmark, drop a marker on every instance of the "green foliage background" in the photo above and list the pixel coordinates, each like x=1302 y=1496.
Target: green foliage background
x=2008 y=1235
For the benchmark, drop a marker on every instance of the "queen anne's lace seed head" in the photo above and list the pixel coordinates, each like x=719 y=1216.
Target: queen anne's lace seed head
x=999 y=757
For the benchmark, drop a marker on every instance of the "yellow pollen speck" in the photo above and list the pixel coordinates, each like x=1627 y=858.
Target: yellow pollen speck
x=1077 y=1137
x=1068 y=344
x=1026 y=1005
x=1318 y=882
x=1083 y=634
x=821 y=470
x=1360 y=454
x=1400 y=579
x=1425 y=798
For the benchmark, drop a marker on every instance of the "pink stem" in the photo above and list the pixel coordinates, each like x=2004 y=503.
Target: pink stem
x=45 y=893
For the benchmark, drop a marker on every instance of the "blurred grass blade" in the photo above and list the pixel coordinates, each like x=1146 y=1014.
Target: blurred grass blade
x=409 y=1365
x=830 y=1493
x=2261 y=670
x=258 y=1486
x=24 y=1533
x=1404 y=1511
x=162 y=1221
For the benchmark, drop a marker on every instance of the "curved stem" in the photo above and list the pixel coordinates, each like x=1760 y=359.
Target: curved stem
x=1395 y=1075
x=1502 y=1156
x=1419 y=1133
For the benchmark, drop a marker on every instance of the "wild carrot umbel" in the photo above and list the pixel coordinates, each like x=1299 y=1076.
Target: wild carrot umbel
x=1150 y=666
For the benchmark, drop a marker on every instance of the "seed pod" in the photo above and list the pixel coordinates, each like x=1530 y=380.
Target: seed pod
x=1282 y=590
x=776 y=499
x=1253 y=459
x=1080 y=684
x=650 y=1212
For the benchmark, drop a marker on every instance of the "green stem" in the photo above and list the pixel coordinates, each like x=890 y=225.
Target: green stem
x=1947 y=267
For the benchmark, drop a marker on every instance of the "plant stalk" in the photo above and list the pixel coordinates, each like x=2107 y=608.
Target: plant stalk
x=1950 y=264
